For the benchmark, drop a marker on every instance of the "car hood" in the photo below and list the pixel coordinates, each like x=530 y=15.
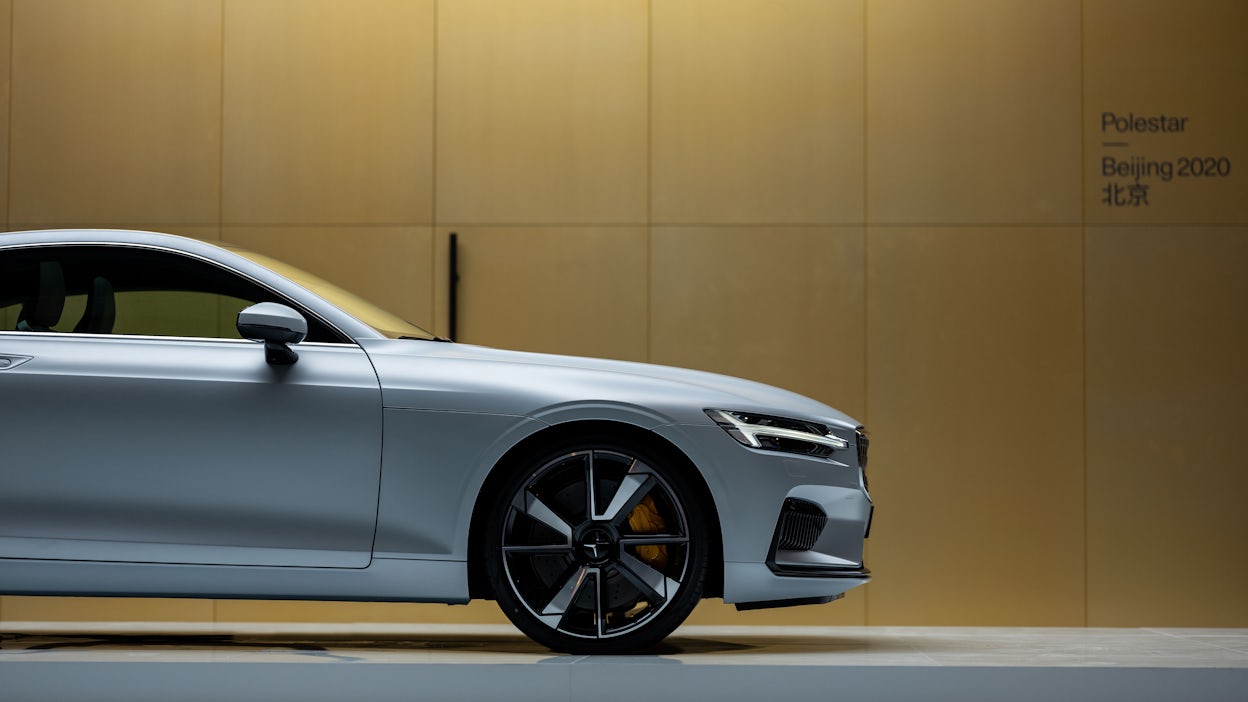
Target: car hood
x=424 y=375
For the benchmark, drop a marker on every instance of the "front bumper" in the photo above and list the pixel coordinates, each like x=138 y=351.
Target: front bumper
x=766 y=562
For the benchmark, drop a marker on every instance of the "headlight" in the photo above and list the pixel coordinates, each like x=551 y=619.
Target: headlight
x=763 y=431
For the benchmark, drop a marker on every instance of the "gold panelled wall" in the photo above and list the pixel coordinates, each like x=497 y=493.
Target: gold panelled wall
x=1167 y=340
x=975 y=375
x=326 y=112
x=6 y=41
x=973 y=111
x=1010 y=236
x=552 y=289
x=115 y=112
x=731 y=84
x=542 y=112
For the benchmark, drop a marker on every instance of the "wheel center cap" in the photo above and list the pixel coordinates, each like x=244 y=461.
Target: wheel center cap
x=597 y=544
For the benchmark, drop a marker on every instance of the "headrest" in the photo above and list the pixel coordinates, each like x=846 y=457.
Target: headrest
x=44 y=310
x=101 y=309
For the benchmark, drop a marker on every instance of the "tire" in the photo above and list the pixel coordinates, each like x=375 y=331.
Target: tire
x=612 y=569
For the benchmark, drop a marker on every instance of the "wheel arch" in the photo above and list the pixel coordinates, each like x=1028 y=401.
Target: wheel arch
x=478 y=583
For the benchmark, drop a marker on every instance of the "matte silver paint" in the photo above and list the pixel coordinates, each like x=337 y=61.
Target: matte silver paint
x=190 y=467
x=188 y=451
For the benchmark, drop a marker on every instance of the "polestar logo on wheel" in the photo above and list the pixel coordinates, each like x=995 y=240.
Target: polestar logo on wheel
x=204 y=421
x=597 y=545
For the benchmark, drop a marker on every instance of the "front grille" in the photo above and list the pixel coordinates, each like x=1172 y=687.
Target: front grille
x=863 y=442
x=801 y=523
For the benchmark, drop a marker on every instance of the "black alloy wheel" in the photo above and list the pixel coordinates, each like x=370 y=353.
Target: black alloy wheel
x=597 y=547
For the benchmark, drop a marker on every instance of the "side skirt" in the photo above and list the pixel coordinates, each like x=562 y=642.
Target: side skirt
x=384 y=580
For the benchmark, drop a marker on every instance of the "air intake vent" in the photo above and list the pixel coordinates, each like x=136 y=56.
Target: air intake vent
x=801 y=523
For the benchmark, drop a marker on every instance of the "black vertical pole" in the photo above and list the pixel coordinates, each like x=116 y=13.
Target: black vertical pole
x=453 y=298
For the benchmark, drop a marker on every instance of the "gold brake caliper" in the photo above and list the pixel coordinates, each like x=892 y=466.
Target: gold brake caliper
x=645 y=519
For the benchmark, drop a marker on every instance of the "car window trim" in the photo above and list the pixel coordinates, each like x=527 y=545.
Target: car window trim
x=150 y=337
x=302 y=309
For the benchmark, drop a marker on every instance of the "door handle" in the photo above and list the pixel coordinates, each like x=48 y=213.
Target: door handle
x=8 y=361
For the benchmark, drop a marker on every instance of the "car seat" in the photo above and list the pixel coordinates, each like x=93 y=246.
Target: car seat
x=42 y=311
x=101 y=310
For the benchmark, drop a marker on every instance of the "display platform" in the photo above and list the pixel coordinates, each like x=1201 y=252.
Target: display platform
x=309 y=662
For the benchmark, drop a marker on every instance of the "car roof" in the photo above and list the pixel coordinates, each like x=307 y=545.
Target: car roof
x=95 y=236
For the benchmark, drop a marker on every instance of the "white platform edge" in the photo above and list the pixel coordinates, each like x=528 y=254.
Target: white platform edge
x=723 y=664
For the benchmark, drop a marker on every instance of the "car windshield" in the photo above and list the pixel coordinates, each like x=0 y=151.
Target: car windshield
x=385 y=322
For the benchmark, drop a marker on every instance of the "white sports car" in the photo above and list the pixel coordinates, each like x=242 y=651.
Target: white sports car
x=153 y=448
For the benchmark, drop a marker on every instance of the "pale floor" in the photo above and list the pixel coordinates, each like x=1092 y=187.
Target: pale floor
x=191 y=661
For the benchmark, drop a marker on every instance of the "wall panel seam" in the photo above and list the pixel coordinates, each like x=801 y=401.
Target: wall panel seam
x=866 y=268
x=649 y=272
x=1083 y=290
x=8 y=150
x=435 y=230
x=221 y=135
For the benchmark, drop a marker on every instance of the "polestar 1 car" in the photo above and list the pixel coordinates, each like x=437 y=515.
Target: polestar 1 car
x=180 y=419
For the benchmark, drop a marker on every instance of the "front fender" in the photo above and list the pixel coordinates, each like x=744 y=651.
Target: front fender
x=433 y=466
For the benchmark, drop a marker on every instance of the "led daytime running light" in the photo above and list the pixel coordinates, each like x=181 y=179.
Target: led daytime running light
x=752 y=432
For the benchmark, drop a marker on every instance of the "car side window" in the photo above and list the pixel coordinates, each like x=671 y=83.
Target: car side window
x=126 y=290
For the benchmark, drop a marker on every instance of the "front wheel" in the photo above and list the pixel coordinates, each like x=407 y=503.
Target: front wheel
x=597 y=547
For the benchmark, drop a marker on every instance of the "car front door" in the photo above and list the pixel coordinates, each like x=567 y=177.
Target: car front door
x=164 y=438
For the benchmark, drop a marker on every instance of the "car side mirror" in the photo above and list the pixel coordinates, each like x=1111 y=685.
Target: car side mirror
x=277 y=326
